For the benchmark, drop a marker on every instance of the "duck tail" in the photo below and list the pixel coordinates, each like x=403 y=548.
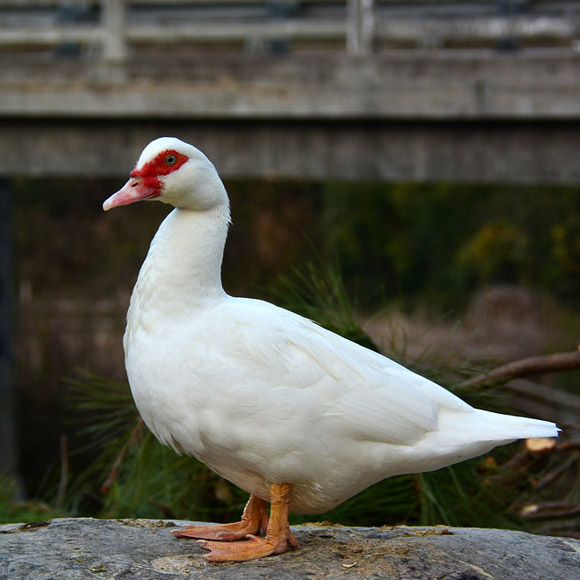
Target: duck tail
x=512 y=427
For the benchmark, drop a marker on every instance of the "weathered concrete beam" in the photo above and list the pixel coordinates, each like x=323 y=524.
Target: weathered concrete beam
x=492 y=152
x=75 y=549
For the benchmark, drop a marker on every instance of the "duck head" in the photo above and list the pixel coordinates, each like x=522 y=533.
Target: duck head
x=174 y=172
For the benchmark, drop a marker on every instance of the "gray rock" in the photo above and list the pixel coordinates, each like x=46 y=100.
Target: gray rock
x=80 y=548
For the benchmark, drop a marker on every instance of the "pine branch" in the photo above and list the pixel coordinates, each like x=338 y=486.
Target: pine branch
x=562 y=361
x=135 y=434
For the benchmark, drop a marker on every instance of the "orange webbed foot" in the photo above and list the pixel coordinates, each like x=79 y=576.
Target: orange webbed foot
x=249 y=546
x=254 y=521
x=278 y=537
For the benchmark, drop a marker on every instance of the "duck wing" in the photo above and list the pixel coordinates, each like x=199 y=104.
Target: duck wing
x=359 y=394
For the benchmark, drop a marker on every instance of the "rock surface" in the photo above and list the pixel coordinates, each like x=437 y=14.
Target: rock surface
x=80 y=548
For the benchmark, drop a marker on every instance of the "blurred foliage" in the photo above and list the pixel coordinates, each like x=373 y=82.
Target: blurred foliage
x=18 y=511
x=497 y=249
x=434 y=244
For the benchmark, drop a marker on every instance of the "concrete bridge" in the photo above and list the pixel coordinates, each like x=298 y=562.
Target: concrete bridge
x=356 y=90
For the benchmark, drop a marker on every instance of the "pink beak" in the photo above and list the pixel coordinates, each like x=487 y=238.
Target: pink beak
x=134 y=190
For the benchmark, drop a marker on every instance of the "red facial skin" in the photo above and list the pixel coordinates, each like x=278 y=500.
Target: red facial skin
x=145 y=182
x=165 y=163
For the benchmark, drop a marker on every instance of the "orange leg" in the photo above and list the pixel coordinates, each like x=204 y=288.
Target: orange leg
x=254 y=521
x=278 y=537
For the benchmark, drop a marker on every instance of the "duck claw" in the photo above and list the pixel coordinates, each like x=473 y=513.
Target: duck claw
x=218 y=533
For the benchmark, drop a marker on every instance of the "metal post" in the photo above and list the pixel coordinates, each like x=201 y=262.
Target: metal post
x=113 y=22
x=360 y=27
x=8 y=436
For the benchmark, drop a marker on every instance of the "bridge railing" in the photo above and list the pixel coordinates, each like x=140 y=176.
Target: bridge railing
x=113 y=26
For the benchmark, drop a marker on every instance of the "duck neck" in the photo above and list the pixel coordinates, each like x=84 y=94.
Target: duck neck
x=183 y=265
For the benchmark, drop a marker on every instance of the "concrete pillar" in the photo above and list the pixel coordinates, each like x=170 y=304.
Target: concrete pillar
x=113 y=23
x=360 y=27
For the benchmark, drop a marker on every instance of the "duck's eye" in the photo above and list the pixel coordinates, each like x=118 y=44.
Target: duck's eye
x=170 y=160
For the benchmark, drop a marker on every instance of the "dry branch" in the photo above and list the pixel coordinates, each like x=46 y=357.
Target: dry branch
x=562 y=361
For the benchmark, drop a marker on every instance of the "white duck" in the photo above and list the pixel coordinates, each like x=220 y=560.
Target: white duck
x=295 y=415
